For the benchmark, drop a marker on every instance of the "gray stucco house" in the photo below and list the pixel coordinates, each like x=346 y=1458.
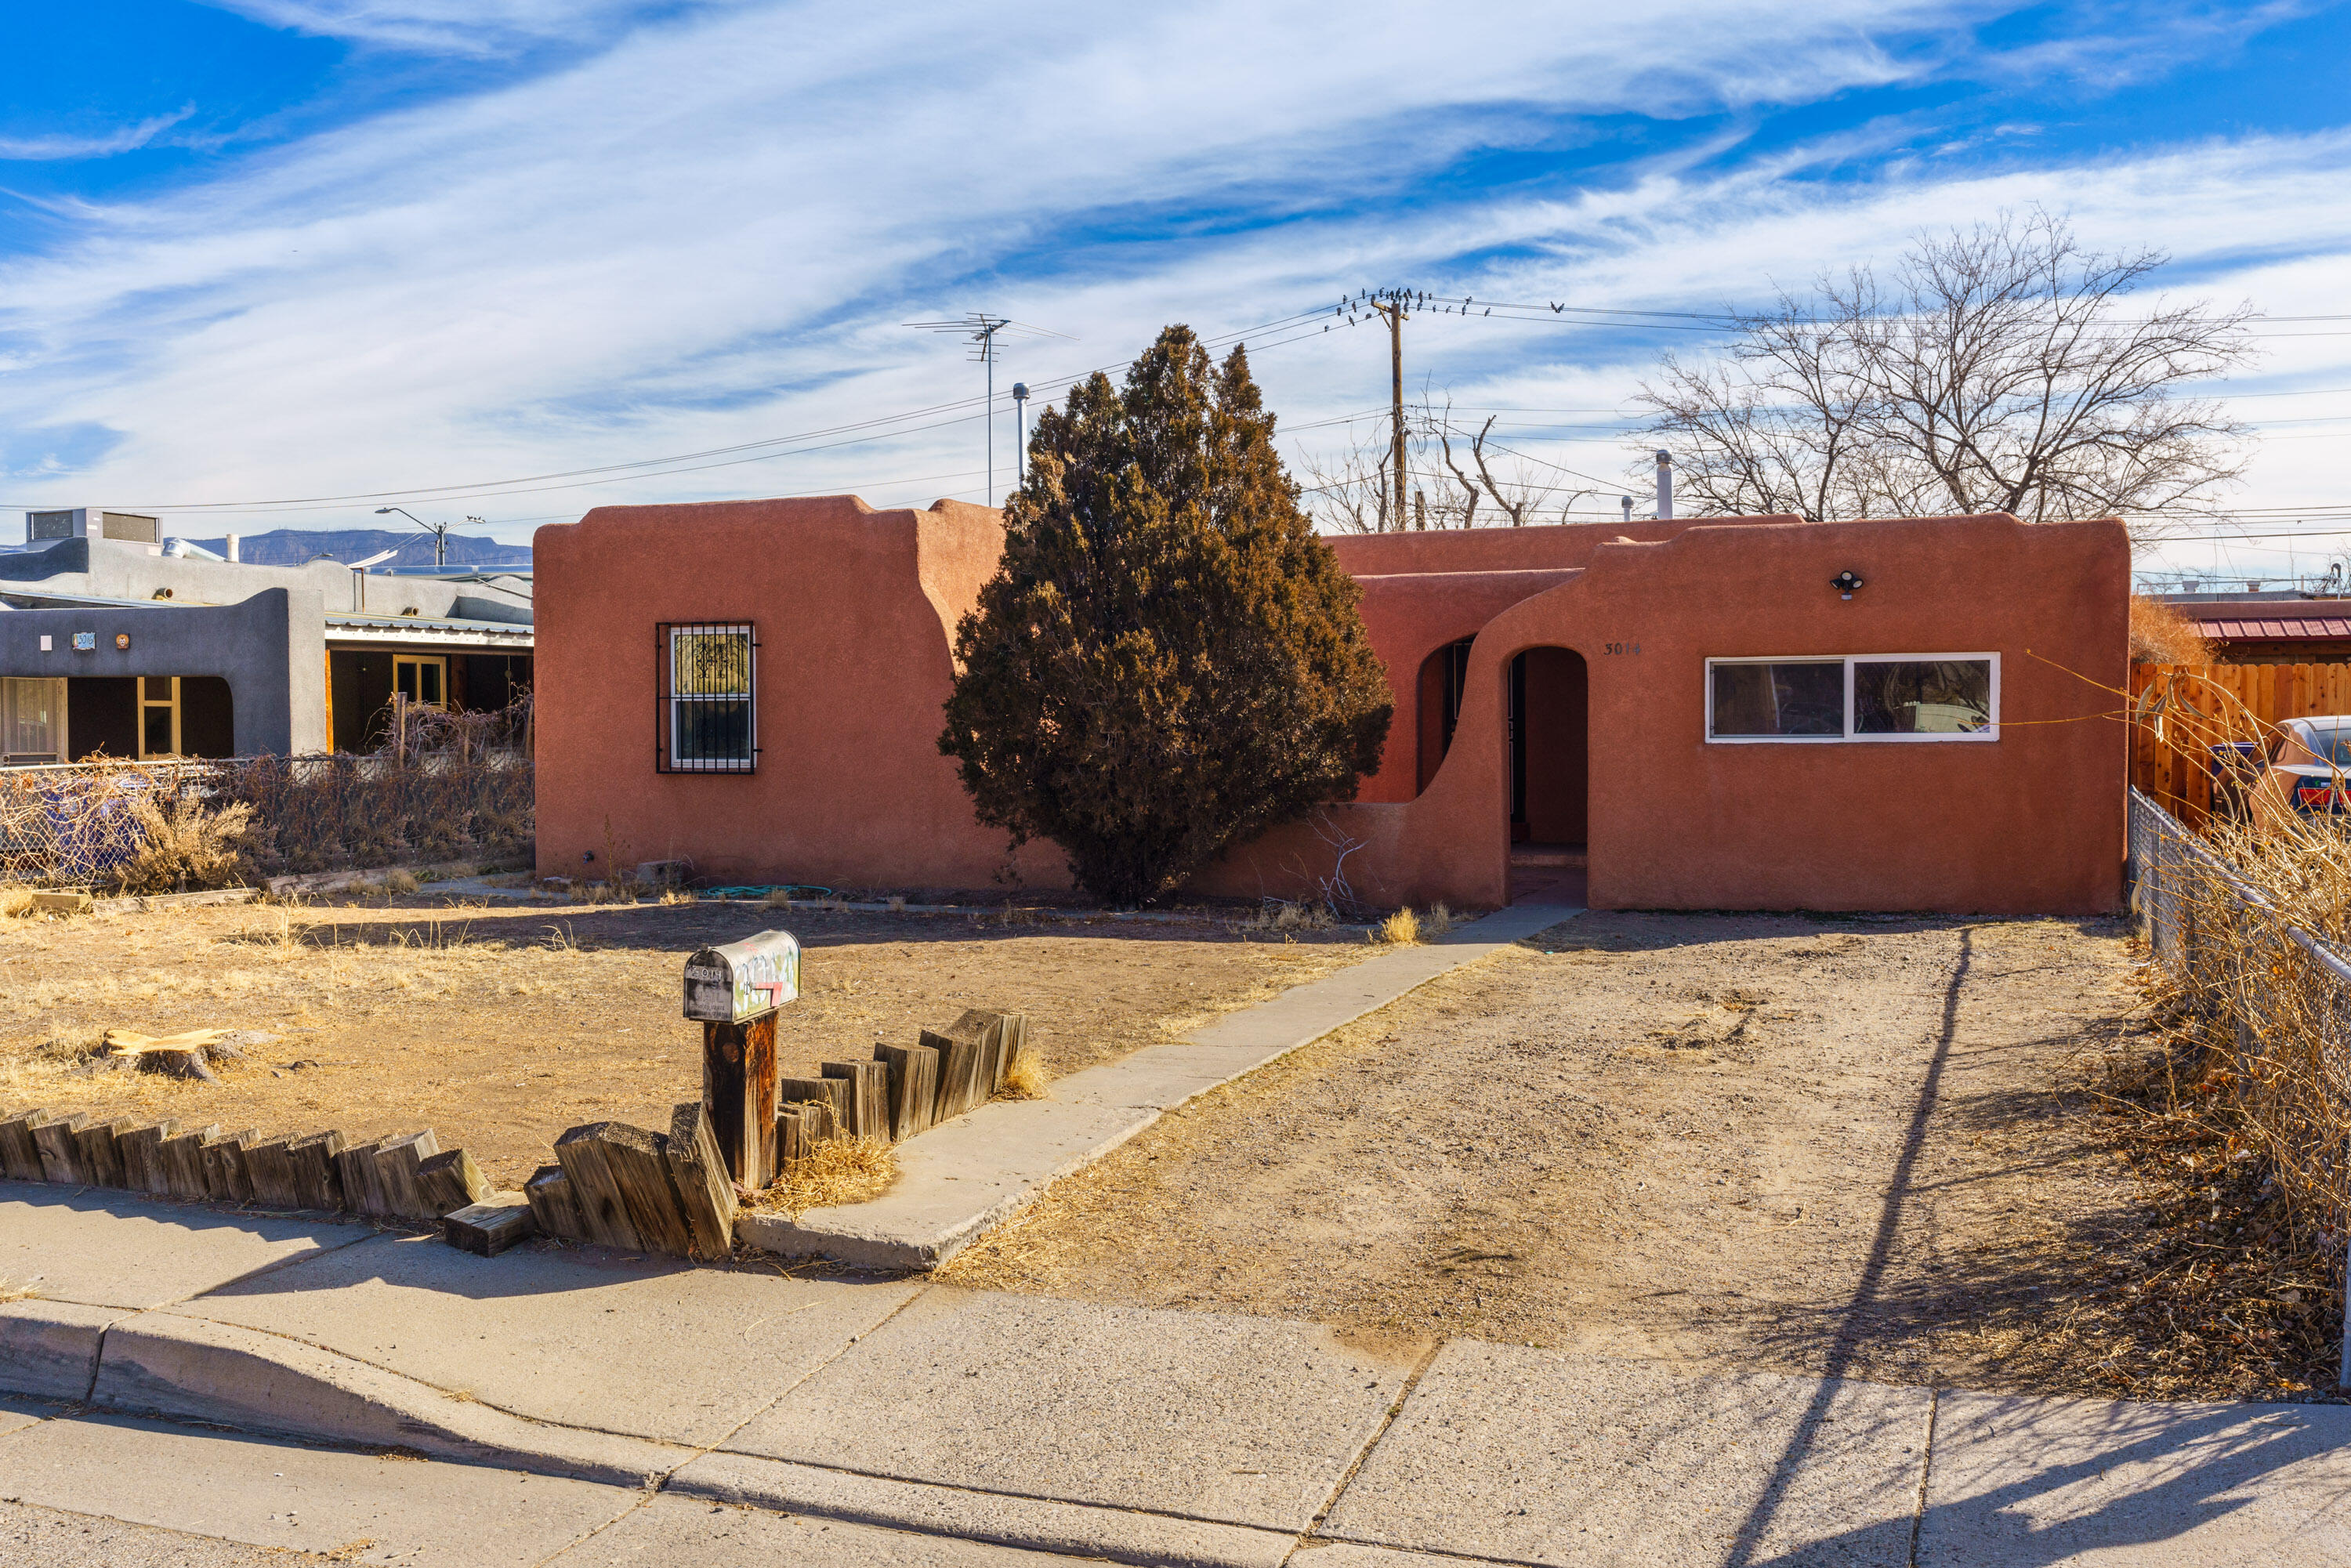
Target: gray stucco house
x=111 y=642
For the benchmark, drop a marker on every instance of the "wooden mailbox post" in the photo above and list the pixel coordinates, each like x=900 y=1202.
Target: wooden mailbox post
x=733 y=991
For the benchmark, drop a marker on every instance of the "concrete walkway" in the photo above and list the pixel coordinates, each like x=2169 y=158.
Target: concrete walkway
x=964 y=1176
x=598 y=1406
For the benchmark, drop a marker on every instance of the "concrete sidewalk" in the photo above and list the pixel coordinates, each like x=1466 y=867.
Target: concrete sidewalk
x=960 y=1180
x=930 y=1419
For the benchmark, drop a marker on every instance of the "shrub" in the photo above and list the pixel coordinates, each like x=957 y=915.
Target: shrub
x=186 y=845
x=1167 y=661
x=2161 y=635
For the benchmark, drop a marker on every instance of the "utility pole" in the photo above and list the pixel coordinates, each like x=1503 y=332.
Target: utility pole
x=1391 y=304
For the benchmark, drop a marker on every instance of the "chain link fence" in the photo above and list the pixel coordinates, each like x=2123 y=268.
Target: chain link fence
x=78 y=825
x=2271 y=997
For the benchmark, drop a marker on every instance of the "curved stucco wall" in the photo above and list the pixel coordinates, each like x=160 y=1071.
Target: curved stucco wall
x=2030 y=824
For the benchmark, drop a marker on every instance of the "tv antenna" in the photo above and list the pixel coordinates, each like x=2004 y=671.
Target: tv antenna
x=981 y=329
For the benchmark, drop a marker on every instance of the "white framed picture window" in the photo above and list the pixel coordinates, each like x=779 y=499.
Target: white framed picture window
x=1801 y=699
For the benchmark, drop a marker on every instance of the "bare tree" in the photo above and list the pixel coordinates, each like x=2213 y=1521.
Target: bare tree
x=1349 y=492
x=1997 y=370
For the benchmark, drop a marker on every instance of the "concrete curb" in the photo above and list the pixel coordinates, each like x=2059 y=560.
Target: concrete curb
x=192 y=1369
x=1036 y=1524
x=48 y=1350
x=958 y=1182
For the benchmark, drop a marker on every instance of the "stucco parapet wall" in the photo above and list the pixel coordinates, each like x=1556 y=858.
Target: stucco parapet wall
x=122 y=569
x=1543 y=547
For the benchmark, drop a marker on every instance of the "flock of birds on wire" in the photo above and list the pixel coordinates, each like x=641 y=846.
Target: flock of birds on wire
x=1354 y=307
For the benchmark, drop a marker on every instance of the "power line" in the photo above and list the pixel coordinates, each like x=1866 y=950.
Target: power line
x=658 y=467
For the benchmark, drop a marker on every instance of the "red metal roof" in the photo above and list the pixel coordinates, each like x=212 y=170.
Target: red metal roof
x=2299 y=630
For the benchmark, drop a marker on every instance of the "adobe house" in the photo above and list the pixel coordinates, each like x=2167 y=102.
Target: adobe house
x=1753 y=712
x=111 y=642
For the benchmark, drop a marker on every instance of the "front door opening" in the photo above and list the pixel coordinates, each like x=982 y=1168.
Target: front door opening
x=1549 y=718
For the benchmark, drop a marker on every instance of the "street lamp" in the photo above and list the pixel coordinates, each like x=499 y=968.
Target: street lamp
x=440 y=532
x=1020 y=429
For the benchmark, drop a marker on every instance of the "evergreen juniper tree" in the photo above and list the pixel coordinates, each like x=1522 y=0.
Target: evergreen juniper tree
x=1168 y=660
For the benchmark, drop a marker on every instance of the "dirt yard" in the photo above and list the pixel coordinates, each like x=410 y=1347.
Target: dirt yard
x=500 y=1026
x=1718 y=1141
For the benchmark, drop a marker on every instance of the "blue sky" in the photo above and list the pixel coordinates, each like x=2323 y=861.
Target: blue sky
x=262 y=256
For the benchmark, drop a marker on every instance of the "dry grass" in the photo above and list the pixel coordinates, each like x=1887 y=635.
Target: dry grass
x=840 y=1171
x=2242 y=1112
x=2232 y=1296
x=2161 y=635
x=188 y=845
x=16 y=902
x=1282 y=915
x=12 y=1292
x=1026 y=1079
x=399 y=881
x=1401 y=929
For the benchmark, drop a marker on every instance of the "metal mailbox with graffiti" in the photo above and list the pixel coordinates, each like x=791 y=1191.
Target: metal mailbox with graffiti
x=737 y=982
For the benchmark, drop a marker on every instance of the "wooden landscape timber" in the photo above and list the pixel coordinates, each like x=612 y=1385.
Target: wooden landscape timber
x=20 y=1157
x=913 y=1088
x=868 y=1098
x=600 y=1192
x=612 y=1184
x=397 y=1163
x=225 y=1179
x=451 y=1181
x=96 y=1150
x=183 y=1162
x=705 y=1191
x=60 y=1141
x=548 y=1193
x=363 y=1181
x=489 y=1228
x=317 y=1181
x=406 y=1177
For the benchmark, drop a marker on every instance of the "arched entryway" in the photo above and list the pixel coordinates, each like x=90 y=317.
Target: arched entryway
x=1549 y=773
x=1442 y=677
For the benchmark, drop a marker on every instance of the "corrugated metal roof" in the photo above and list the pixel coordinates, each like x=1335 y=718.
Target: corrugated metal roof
x=2312 y=630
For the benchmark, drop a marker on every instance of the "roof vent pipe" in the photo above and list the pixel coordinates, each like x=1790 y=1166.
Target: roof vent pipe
x=232 y=548
x=1665 y=486
x=1627 y=501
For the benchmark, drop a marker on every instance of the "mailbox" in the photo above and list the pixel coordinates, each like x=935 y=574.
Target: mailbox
x=742 y=980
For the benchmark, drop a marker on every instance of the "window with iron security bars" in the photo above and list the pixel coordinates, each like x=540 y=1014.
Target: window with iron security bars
x=707 y=719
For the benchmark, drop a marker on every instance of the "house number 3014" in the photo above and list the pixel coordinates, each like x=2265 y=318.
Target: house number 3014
x=1620 y=647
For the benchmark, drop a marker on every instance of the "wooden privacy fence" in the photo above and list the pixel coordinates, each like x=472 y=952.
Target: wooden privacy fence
x=2171 y=750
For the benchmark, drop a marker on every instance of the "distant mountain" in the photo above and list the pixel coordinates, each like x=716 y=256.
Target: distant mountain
x=292 y=547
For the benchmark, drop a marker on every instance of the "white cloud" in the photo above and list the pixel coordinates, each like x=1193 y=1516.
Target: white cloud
x=436 y=26
x=60 y=147
x=709 y=233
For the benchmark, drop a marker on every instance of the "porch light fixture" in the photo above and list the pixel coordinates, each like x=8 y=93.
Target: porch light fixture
x=1846 y=582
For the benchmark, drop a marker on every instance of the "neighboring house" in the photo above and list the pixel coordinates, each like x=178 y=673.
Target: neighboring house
x=2269 y=628
x=1694 y=709
x=110 y=644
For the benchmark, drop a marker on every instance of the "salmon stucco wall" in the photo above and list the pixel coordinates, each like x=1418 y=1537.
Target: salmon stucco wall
x=855 y=612
x=2029 y=822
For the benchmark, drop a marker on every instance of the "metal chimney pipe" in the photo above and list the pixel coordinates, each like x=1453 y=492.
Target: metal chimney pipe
x=1665 y=486
x=1627 y=501
x=232 y=547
